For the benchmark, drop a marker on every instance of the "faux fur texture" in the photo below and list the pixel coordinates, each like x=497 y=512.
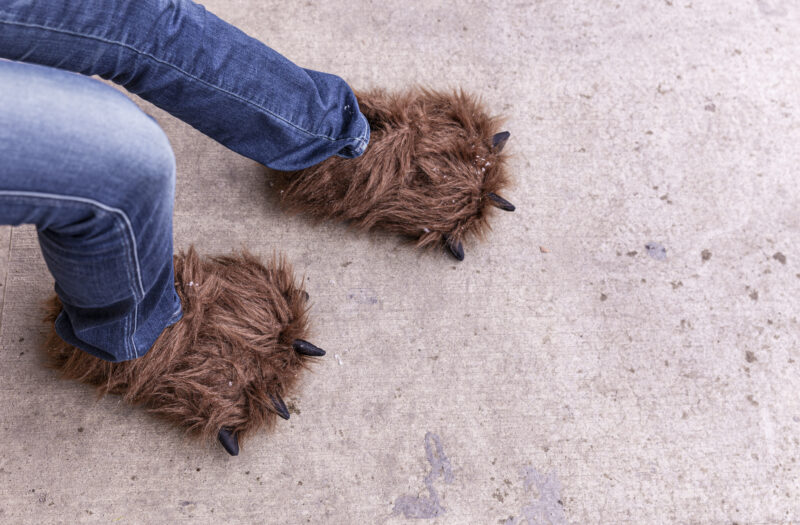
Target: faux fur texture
x=221 y=365
x=426 y=173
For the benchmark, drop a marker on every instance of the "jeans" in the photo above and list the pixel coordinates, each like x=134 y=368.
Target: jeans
x=96 y=175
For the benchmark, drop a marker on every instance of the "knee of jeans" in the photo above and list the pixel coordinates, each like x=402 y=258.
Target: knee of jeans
x=144 y=160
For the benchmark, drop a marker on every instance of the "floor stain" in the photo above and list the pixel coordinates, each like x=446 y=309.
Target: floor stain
x=362 y=296
x=430 y=506
x=656 y=250
x=772 y=7
x=546 y=506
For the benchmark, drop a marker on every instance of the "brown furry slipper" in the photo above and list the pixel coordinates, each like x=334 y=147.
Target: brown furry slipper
x=220 y=371
x=432 y=171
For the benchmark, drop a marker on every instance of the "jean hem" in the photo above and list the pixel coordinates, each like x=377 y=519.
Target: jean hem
x=362 y=142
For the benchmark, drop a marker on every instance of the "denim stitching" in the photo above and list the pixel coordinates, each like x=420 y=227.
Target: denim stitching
x=130 y=345
x=176 y=68
x=134 y=350
x=127 y=335
x=130 y=249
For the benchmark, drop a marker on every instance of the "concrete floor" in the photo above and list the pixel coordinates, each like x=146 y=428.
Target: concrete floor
x=622 y=350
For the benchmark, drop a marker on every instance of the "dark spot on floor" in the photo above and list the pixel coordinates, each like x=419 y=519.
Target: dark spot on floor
x=705 y=255
x=753 y=295
x=21 y=339
x=750 y=357
x=631 y=253
x=710 y=107
x=603 y=297
x=656 y=250
x=781 y=258
x=676 y=284
x=752 y=401
x=80 y=429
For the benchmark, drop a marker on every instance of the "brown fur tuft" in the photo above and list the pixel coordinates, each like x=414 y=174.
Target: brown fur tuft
x=426 y=173
x=218 y=365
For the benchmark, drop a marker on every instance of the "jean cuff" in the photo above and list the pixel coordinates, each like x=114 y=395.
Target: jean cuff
x=359 y=144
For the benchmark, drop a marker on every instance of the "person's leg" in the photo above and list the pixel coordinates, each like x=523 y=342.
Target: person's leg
x=220 y=341
x=96 y=176
x=189 y=62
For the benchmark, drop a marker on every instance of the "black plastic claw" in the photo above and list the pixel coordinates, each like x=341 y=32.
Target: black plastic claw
x=280 y=406
x=306 y=348
x=456 y=249
x=499 y=141
x=229 y=441
x=501 y=203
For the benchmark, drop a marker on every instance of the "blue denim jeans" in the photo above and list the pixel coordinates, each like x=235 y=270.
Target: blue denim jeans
x=96 y=175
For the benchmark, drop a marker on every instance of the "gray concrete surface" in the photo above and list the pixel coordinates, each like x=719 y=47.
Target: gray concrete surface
x=622 y=350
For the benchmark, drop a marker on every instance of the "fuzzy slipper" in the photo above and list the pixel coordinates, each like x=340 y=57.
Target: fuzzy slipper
x=223 y=369
x=432 y=171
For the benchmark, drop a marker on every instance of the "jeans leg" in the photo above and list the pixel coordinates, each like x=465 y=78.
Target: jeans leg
x=96 y=176
x=199 y=68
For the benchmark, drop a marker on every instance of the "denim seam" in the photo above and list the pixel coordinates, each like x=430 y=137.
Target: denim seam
x=175 y=315
x=176 y=68
x=126 y=336
x=130 y=344
x=130 y=249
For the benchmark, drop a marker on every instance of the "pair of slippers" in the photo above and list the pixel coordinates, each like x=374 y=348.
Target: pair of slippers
x=433 y=173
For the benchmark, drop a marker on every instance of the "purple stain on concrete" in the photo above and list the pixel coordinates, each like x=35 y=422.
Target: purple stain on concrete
x=656 y=250
x=362 y=296
x=772 y=7
x=426 y=507
x=546 y=506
